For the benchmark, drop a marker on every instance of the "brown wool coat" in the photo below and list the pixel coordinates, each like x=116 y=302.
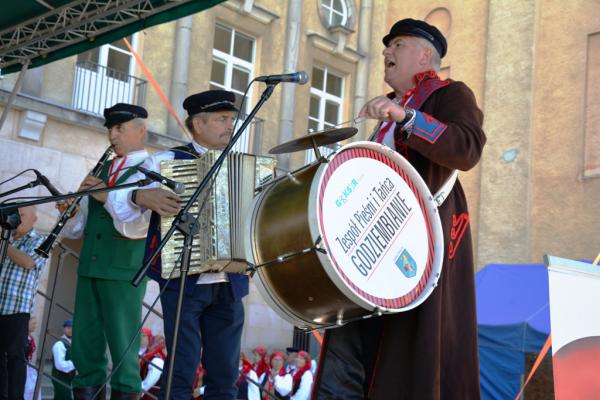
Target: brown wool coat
x=431 y=352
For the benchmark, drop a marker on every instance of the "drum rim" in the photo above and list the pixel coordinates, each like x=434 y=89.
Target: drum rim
x=272 y=300
x=430 y=207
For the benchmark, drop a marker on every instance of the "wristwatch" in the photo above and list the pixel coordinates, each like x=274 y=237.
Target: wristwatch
x=409 y=116
x=133 y=196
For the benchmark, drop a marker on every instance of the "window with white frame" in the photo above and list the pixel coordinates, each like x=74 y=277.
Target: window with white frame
x=325 y=109
x=104 y=77
x=115 y=57
x=233 y=62
x=335 y=12
x=326 y=97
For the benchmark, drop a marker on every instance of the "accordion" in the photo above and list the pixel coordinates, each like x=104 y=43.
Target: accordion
x=221 y=210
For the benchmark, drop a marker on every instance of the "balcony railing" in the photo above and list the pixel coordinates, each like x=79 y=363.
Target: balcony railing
x=98 y=87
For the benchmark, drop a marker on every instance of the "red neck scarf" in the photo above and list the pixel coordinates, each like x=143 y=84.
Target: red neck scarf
x=417 y=80
x=149 y=355
x=301 y=371
x=246 y=368
x=114 y=175
x=261 y=366
x=31 y=347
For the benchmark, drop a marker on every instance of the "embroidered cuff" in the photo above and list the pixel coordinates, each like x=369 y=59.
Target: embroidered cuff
x=426 y=127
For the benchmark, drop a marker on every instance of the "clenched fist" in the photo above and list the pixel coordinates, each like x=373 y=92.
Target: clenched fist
x=164 y=202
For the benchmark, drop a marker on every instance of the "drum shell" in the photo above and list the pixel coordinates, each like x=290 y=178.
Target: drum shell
x=298 y=286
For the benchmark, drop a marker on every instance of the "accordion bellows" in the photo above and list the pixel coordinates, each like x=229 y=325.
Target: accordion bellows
x=222 y=209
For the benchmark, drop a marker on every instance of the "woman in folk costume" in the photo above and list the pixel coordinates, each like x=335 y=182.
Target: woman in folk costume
x=261 y=360
x=198 y=386
x=152 y=361
x=247 y=383
x=437 y=126
x=303 y=378
x=31 y=372
x=276 y=379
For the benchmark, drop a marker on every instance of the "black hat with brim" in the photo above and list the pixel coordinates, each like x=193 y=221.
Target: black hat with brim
x=292 y=350
x=210 y=101
x=422 y=29
x=121 y=113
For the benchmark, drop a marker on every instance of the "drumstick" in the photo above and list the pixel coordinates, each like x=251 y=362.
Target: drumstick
x=354 y=121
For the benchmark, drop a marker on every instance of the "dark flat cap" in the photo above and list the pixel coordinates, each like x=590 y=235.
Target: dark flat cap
x=292 y=350
x=210 y=101
x=413 y=27
x=122 y=112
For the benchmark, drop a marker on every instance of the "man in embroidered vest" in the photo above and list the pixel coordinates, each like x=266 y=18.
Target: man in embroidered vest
x=437 y=126
x=213 y=314
x=107 y=307
x=63 y=369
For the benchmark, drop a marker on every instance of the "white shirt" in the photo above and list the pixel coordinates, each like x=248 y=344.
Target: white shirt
x=291 y=369
x=283 y=384
x=154 y=371
x=303 y=392
x=136 y=228
x=388 y=139
x=313 y=366
x=253 y=391
x=59 y=352
x=127 y=211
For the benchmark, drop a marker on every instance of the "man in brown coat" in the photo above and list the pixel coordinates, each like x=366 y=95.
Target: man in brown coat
x=429 y=352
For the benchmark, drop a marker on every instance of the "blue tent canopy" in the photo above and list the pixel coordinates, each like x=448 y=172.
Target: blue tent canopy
x=513 y=318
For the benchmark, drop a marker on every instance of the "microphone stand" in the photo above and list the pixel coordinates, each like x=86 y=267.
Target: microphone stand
x=9 y=212
x=26 y=186
x=188 y=226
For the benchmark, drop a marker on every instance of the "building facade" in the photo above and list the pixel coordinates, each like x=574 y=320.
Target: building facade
x=535 y=190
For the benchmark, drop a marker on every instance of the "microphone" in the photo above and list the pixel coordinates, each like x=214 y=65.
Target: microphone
x=177 y=187
x=299 y=77
x=44 y=181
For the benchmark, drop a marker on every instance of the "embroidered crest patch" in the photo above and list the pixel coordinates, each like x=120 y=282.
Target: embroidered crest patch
x=406 y=264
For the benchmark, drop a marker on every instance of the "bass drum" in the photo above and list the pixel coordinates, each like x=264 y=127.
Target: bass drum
x=353 y=236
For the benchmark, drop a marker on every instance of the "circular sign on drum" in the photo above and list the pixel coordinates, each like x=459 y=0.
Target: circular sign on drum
x=375 y=227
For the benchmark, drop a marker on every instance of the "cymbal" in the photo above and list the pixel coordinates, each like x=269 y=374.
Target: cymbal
x=321 y=138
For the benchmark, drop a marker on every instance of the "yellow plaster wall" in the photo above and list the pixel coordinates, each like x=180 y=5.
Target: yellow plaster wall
x=157 y=52
x=59 y=90
x=565 y=207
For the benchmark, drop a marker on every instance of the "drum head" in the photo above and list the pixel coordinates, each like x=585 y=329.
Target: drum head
x=380 y=228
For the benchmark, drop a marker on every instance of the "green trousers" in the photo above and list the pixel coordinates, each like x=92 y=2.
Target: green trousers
x=107 y=312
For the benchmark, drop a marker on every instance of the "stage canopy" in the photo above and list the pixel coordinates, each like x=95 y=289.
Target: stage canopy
x=42 y=31
x=513 y=317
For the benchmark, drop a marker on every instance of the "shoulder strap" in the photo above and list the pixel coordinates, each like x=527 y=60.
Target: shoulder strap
x=130 y=171
x=424 y=90
x=446 y=188
x=186 y=151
